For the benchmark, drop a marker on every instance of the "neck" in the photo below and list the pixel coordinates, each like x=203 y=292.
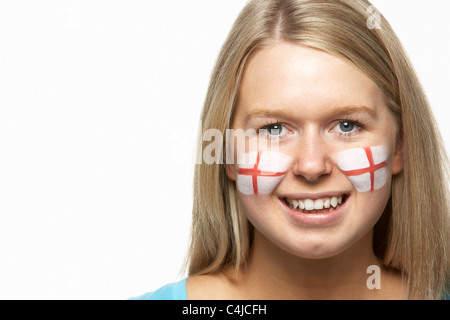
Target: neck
x=272 y=273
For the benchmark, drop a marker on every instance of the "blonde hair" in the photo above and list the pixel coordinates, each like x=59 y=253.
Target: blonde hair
x=412 y=235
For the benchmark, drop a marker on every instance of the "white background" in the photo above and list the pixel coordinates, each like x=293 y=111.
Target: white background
x=99 y=103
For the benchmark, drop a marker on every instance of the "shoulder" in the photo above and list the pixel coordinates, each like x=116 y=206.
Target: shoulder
x=210 y=287
x=446 y=291
x=171 y=291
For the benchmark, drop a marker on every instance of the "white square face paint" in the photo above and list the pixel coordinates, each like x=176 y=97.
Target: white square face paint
x=365 y=167
x=260 y=172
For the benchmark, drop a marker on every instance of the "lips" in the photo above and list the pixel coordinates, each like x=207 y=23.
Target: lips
x=315 y=209
x=321 y=205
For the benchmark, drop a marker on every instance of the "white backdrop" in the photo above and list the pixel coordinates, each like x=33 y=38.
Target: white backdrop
x=99 y=102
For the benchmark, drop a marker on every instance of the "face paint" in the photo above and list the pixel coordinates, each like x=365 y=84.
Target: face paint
x=261 y=171
x=365 y=167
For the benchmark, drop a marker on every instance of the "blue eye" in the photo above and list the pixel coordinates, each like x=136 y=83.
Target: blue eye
x=347 y=127
x=274 y=131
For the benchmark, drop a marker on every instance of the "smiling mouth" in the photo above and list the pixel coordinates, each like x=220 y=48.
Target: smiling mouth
x=312 y=206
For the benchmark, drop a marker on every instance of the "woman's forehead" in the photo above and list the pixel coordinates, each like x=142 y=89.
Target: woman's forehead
x=298 y=76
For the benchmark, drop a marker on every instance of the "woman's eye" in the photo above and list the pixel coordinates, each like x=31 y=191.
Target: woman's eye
x=347 y=127
x=274 y=130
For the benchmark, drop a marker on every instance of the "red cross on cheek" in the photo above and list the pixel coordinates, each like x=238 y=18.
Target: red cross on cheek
x=255 y=173
x=371 y=169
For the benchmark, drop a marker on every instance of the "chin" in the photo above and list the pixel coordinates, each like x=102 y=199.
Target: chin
x=317 y=248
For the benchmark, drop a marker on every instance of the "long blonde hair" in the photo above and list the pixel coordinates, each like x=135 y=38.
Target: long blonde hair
x=413 y=233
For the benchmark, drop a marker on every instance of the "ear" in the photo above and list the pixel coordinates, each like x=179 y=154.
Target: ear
x=397 y=164
x=231 y=172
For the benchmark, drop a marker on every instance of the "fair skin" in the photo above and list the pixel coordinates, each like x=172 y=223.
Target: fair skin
x=319 y=102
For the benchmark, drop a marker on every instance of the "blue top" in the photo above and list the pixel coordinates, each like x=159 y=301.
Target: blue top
x=177 y=291
x=171 y=291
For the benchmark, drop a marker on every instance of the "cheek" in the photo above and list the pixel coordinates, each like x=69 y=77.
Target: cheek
x=257 y=185
x=258 y=209
x=369 y=206
x=366 y=168
x=259 y=173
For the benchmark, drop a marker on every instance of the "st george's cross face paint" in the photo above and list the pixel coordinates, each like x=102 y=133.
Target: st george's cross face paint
x=260 y=172
x=365 y=167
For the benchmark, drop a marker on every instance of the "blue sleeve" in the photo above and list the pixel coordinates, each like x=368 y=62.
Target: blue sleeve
x=171 y=291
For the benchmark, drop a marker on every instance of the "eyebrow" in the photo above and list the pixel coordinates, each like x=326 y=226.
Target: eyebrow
x=264 y=114
x=345 y=110
x=338 y=110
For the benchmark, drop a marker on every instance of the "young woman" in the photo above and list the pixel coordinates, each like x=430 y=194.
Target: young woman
x=354 y=206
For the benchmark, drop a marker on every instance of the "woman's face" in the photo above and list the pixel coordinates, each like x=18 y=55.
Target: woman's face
x=324 y=114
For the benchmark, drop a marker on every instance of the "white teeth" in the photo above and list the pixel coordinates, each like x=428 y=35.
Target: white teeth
x=301 y=205
x=309 y=204
x=318 y=204
x=327 y=204
x=334 y=202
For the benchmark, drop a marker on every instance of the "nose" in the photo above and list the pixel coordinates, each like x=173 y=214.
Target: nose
x=312 y=161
